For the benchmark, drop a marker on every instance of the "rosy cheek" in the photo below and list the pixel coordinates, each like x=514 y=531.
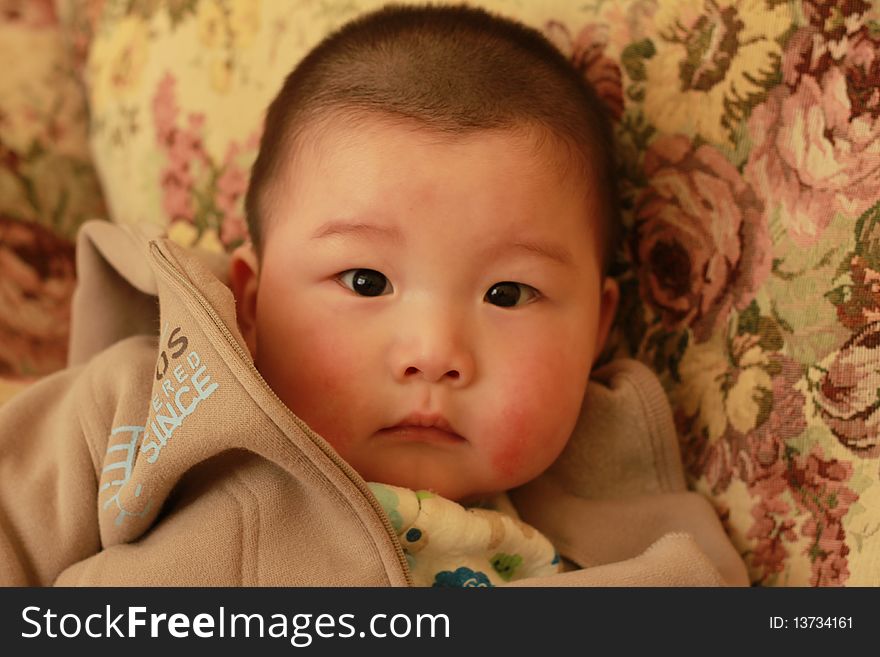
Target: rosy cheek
x=529 y=435
x=515 y=439
x=329 y=400
x=315 y=374
x=506 y=459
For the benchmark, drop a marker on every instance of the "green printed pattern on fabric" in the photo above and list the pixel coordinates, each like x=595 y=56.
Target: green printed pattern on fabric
x=448 y=545
x=389 y=501
x=506 y=565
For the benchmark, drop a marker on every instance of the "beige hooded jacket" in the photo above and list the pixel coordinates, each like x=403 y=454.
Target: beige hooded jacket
x=161 y=457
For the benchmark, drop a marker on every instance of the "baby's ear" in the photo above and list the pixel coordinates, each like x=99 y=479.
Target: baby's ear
x=607 y=309
x=244 y=279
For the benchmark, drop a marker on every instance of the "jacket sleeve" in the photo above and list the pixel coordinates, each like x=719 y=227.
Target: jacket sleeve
x=673 y=560
x=48 y=481
x=601 y=532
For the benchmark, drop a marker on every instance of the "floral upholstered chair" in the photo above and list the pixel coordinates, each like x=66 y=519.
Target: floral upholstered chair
x=749 y=142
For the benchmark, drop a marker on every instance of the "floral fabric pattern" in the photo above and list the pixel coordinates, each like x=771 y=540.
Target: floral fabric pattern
x=752 y=247
x=48 y=187
x=449 y=545
x=37 y=282
x=749 y=154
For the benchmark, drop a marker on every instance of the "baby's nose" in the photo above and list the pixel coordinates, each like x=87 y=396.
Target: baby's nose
x=431 y=373
x=434 y=354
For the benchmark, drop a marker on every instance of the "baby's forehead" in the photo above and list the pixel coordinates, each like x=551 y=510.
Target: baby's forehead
x=335 y=132
x=520 y=210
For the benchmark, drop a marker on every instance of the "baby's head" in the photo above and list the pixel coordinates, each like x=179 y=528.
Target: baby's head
x=432 y=212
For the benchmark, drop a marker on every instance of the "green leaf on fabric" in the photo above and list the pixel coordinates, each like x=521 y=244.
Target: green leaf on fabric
x=506 y=565
x=781 y=323
x=635 y=92
x=773 y=368
x=666 y=350
x=836 y=295
x=752 y=322
x=765 y=406
x=633 y=56
x=777 y=270
x=636 y=130
x=631 y=314
x=797 y=293
x=868 y=235
x=178 y=10
x=771 y=336
x=748 y=319
x=677 y=355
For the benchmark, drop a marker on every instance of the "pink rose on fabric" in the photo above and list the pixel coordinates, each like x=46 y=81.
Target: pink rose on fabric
x=833 y=18
x=846 y=395
x=816 y=147
x=37 y=277
x=819 y=486
x=587 y=53
x=184 y=148
x=765 y=470
x=795 y=494
x=165 y=109
x=34 y=14
x=862 y=305
x=700 y=240
x=197 y=190
x=231 y=187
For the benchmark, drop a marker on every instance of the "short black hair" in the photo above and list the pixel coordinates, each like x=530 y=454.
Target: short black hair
x=453 y=69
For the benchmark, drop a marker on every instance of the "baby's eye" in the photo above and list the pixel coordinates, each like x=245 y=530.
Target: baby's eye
x=507 y=294
x=366 y=282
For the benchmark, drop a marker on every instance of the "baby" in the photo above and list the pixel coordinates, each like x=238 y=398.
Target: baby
x=432 y=211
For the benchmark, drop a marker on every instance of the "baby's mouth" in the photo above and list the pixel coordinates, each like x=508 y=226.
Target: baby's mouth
x=420 y=427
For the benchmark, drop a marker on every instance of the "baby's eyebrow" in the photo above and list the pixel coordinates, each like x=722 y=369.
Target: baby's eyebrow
x=332 y=228
x=555 y=252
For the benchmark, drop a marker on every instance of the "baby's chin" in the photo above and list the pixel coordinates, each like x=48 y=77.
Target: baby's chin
x=439 y=487
x=457 y=472
x=452 y=488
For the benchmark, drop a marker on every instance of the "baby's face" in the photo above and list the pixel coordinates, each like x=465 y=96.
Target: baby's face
x=430 y=306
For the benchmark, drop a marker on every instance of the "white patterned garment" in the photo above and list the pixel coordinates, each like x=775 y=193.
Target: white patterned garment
x=447 y=544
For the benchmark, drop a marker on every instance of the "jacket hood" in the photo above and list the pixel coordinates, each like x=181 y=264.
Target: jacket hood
x=206 y=399
x=620 y=473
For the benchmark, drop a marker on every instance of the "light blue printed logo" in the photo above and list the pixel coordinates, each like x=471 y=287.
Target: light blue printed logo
x=185 y=384
x=126 y=451
x=463 y=577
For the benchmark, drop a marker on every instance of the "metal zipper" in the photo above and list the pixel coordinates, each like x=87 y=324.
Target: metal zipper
x=322 y=444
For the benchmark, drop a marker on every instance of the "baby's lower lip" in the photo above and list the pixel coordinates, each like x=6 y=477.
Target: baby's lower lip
x=422 y=434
